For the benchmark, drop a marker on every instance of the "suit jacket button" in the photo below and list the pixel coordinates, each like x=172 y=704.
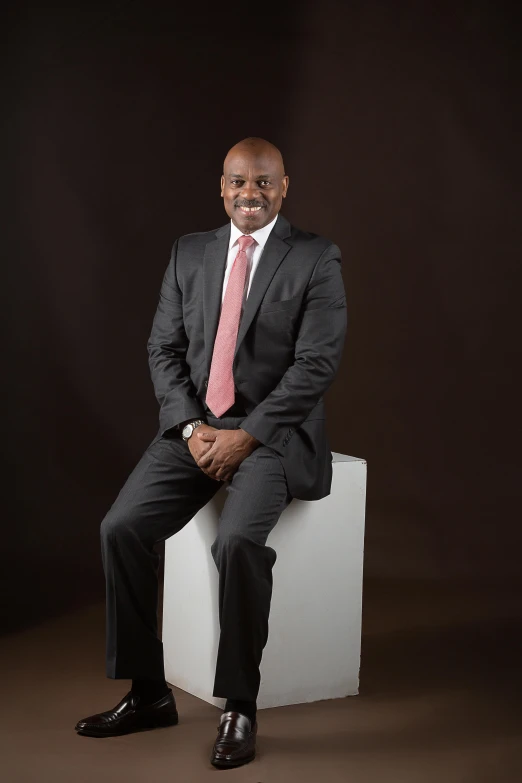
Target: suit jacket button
x=206 y=383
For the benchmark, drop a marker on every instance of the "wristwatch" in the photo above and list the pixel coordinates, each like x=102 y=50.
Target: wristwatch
x=189 y=428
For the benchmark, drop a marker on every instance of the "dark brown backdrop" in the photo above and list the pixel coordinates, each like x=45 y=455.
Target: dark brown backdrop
x=400 y=127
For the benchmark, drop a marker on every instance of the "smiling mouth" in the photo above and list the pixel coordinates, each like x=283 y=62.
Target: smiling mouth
x=249 y=210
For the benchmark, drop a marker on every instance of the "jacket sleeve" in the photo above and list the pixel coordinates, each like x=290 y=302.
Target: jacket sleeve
x=167 y=348
x=318 y=352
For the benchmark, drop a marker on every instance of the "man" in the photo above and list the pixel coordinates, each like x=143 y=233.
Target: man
x=246 y=339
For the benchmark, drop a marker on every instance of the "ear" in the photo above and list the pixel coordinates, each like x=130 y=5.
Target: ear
x=286 y=182
x=222 y=184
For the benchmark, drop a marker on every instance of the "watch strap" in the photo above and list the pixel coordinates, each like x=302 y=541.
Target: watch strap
x=195 y=423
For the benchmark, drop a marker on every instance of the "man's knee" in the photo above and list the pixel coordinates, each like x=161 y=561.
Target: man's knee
x=229 y=544
x=116 y=525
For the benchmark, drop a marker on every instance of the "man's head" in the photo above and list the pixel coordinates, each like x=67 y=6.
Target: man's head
x=253 y=184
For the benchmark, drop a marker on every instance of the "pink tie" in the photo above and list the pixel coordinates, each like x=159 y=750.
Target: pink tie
x=220 y=391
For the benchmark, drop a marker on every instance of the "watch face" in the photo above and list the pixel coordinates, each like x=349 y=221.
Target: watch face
x=187 y=430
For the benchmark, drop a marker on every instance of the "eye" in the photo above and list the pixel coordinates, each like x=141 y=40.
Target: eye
x=235 y=181
x=264 y=182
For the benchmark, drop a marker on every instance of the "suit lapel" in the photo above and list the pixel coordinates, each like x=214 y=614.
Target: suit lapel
x=273 y=253
x=214 y=264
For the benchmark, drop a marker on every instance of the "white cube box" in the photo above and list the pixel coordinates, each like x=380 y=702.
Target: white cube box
x=314 y=643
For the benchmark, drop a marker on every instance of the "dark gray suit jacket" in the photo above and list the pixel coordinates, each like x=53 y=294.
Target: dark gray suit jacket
x=288 y=349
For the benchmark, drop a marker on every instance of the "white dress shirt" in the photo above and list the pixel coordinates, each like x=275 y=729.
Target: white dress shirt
x=253 y=254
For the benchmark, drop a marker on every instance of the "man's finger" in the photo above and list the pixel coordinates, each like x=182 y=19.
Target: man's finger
x=205 y=461
x=206 y=435
x=211 y=475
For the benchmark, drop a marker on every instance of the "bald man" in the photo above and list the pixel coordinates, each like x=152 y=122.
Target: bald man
x=246 y=339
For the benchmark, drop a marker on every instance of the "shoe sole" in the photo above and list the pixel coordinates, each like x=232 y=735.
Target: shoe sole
x=231 y=764
x=168 y=720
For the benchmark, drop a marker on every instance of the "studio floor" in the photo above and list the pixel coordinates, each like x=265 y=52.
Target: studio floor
x=440 y=702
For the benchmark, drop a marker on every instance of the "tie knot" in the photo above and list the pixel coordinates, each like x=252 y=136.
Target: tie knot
x=245 y=242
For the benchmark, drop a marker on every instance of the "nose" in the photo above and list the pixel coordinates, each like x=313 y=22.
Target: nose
x=250 y=191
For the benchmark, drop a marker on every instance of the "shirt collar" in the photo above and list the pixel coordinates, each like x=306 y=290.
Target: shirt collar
x=261 y=235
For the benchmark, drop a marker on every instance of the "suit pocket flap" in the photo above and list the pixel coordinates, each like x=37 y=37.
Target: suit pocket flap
x=282 y=304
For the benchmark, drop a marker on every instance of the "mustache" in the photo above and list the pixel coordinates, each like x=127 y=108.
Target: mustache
x=248 y=204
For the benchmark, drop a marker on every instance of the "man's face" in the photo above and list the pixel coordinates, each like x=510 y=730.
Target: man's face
x=253 y=187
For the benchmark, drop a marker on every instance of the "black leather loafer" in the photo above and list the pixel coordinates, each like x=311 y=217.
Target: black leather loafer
x=128 y=716
x=236 y=741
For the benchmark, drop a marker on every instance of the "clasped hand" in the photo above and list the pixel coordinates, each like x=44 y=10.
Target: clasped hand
x=220 y=452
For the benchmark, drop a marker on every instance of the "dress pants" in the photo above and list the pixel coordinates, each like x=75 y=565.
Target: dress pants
x=162 y=494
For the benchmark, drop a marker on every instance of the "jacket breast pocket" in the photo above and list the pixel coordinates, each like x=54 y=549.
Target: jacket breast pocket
x=282 y=305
